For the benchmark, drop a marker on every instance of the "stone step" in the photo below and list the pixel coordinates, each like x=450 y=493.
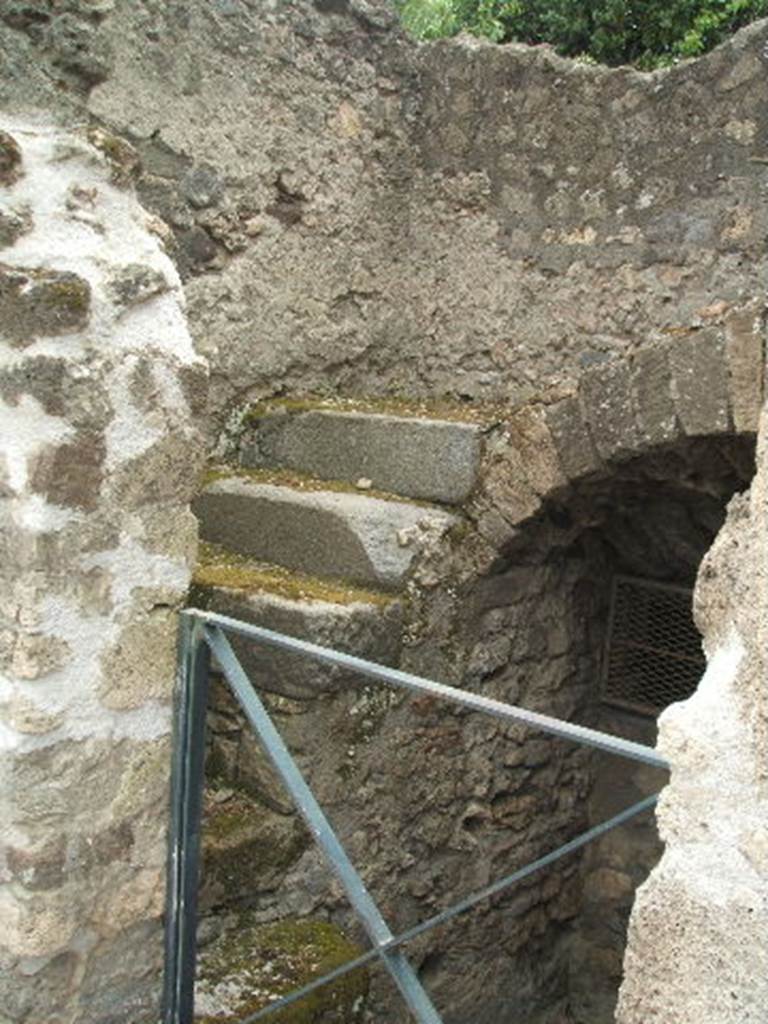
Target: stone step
x=363 y=622
x=366 y=540
x=246 y=848
x=430 y=459
x=309 y=701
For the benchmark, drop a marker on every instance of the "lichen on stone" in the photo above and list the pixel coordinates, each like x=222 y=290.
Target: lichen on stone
x=301 y=482
x=136 y=283
x=444 y=408
x=35 y=302
x=123 y=160
x=218 y=567
x=251 y=965
x=14 y=222
x=10 y=159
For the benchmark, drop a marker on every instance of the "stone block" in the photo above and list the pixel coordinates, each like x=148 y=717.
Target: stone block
x=71 y=474
x=14 y=222
x=35 y=302
x=492 y=526
x=34 y=655
x=166 y=472
x=575 y=449
x=605 y=392
x=530 y=436
x=38 y=868
x=140 y=665
x=369 y=630
x=80 y=47
x=10 y=159
x=35 y=995
x=120 y=979
x=745 y=348
x=700 y=382
x=246 y=849
x=135 y=283
x=506 y=489
x=365 y=540
x=26 y=716
x=651 y=386
x=431 y=460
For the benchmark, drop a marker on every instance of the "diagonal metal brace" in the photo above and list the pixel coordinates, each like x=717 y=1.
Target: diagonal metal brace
x=417 y=684
x=393 y=958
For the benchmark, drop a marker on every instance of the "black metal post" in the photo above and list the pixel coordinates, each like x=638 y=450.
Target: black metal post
x=187 y=778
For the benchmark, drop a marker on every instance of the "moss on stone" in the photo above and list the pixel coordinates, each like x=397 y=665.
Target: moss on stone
x=69 y=295
x=35 y=301
x=218 y=567
x=264 y=962
x=123 y=160
x=244 y=844
x=428 y=408
x=303 y=482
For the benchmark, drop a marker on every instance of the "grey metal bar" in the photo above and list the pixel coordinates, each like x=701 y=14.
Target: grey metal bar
x=458 y=908
x=399 y=967
x=476 y=702
x=528 y=869
x=187 y=773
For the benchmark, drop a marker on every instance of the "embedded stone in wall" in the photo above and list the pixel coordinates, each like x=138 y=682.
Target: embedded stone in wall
x=745 y=347
x=10 y=159
x=700 y=382
x=35 y=302
x=606 y=397
x=100 y=391
x=651 y=387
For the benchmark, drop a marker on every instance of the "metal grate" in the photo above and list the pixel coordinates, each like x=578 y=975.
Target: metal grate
x=653 y=653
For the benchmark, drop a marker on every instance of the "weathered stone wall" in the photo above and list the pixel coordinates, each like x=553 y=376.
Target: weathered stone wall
x=100 y=452
x=432 y=805
x=351 y=213
x=699 y=924
x=357 y=213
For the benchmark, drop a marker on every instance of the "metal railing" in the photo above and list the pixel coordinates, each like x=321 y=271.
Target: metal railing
x=204 y=633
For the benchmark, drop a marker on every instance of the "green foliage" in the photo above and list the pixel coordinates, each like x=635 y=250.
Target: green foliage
x=645 y=33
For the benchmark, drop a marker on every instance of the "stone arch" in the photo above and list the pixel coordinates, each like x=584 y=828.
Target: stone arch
x=705 y=382
x=675 y=420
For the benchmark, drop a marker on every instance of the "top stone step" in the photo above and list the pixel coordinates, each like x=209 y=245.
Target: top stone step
x=413 y=456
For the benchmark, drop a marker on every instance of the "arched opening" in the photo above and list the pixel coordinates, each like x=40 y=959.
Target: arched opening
x=587 y=615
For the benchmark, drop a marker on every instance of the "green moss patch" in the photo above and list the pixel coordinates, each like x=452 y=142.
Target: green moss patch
x=252 y=965
x=246 y=847
x=218 y=567
x=302 y=482
x=431 y=408
x=35 y=302
x=122 y=158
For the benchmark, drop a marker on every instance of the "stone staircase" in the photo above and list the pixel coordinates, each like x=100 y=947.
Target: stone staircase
x=313 y=530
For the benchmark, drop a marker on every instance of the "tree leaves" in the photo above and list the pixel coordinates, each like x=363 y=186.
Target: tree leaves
x=645 y=33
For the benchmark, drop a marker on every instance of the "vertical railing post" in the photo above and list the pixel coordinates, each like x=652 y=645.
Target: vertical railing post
x=187 y=778
x=403 y=974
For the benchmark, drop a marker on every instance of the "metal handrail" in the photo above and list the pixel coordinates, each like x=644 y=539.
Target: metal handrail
x=201 y=634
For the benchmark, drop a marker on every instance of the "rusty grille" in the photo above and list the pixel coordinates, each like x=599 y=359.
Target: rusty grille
x=653 y=653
